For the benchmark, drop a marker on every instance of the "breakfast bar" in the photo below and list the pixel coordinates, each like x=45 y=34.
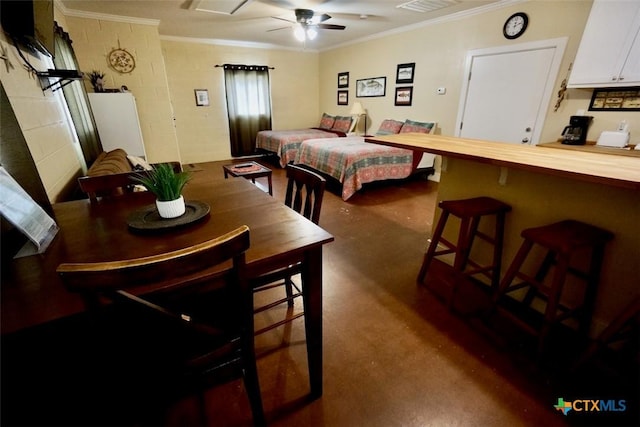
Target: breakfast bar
x=545 y=185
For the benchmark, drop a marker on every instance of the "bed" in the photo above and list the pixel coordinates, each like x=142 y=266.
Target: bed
x=285 y=143
x=354 y=162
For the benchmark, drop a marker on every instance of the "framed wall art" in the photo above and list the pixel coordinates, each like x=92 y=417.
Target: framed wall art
x=616 y=99
x=202 y=97
x=404 y=95
x=373 y=86
x=343 y=80
x=343 y=97
x=404 y=73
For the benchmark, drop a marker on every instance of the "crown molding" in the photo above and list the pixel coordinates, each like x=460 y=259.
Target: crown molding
x=104 y=17
x=235 y=43
x=442 y=19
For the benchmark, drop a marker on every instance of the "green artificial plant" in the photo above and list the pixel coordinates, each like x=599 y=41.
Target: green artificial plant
x=164 y=182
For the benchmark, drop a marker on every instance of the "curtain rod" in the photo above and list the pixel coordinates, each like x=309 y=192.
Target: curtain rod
x=218 y=66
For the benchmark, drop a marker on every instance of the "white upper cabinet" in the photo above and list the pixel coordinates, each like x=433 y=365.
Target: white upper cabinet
x=609 y=52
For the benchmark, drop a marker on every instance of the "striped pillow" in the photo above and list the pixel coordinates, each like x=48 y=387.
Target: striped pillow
x=389 y=127
x=342 y=124
x=420 y=127
x=326 y=122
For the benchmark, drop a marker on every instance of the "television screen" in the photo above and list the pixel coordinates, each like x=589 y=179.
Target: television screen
x=30 y=23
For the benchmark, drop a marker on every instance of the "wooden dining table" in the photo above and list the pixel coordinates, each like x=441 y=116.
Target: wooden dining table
x=33 y=294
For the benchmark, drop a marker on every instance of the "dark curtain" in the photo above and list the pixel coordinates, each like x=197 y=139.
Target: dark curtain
x=76 y=98
x=248 y=105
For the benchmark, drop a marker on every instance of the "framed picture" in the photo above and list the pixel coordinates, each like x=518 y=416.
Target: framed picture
x=374 y=86
x=404 y=95
x=616 y=99
x=343 y=97
x=202 y=97
x=343 y=79
x=404 y=73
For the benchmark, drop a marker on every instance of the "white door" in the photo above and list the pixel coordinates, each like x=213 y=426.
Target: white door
x=507 y=90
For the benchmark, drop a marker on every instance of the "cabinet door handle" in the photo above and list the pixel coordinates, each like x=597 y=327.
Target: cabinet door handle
x=614 y=78
x=621 y=78
x=525 y=140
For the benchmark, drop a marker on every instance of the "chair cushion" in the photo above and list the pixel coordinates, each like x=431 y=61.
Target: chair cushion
x=326 y=122
x=389 y=127
x=420 y=127
x=114 y=161
x=342 y=124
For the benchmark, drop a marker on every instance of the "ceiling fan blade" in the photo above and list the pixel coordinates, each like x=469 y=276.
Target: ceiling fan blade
x=330 y=26
x=320 y=18
x=242 y=3
x=284 y=19
x=276 y=29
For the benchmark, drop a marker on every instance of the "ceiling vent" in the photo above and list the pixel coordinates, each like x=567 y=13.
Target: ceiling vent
x=223 y=7
x=423 y=6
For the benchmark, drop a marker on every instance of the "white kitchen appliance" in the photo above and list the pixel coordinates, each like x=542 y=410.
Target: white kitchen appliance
x=615 y=138
x=117 y=120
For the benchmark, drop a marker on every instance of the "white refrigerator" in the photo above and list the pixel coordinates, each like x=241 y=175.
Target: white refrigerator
x=117 y=120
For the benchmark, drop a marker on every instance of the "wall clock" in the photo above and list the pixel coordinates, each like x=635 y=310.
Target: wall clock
x=121 y=61
x=515 y=25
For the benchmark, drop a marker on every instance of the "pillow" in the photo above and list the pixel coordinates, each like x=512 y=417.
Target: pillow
x=420 y=127
x=326 y=122
x=109 y=163
x=139 y=164
x=389 y=127
x=342 y=124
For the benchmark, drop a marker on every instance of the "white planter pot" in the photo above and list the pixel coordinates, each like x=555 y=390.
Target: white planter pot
x=172 y=208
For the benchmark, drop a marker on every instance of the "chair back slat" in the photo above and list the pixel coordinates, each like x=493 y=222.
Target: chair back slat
x=305 y=191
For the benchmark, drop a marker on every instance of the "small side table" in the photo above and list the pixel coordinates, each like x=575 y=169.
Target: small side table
x=248 y=170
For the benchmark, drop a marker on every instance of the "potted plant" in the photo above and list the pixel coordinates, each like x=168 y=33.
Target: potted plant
x=97 y=80
x=167 y=185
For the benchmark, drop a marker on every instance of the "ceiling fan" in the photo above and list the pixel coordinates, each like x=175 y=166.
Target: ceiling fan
x=307 y=23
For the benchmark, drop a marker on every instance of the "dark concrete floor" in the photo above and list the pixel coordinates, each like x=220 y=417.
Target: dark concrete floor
x=393 y=354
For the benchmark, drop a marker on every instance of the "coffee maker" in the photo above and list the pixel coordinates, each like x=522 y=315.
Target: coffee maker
x=576 y=132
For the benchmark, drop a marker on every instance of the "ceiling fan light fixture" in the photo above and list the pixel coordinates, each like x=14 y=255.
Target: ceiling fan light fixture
x=312 y=33
x=298 y=33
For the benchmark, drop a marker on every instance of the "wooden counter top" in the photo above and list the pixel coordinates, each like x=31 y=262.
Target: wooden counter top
x=593 y=148
x=619 y=171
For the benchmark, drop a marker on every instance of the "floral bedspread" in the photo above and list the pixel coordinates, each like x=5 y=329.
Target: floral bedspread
x=354 y=162
x=285 y=143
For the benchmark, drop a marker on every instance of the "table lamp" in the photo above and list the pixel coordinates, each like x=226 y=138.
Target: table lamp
x=357 y=110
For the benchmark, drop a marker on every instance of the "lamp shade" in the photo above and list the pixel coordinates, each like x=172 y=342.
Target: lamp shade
x=357 y=109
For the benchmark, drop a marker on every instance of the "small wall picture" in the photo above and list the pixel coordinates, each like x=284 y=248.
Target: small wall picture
x=404 y=95
x=404 y=73
x=343 y=80
x=202 y=97
x=374 y=86
x=343 y=97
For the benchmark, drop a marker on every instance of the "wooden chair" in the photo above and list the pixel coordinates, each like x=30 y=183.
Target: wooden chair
x=165 y=348
x=564 y=242
x=98 y=186
x=305 y=191
x=469 y=212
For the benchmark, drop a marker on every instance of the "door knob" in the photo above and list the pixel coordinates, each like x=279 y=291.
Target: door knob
x=525 y=140
x=527 y=130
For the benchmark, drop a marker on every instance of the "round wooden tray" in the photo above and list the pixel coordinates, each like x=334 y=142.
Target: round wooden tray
x=148 y=219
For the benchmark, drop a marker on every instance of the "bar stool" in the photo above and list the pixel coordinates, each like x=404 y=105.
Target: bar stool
x=470 y=211
x=563 y=241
